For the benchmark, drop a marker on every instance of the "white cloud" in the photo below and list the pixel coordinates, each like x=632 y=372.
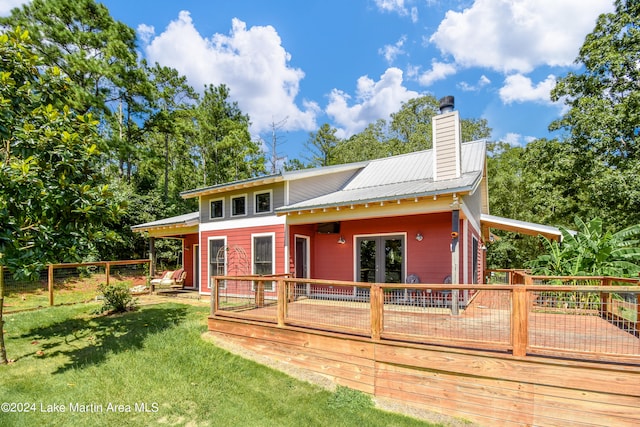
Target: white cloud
x=390 y=52
x=7 y=5
x=414 y=14
x=438 y=71
x=398 y=6
x=482 y=82
x=146 y=33
x=374 y=100
x=251 y=62
x=518 y=35
x=513 y=139
x=392 y=6
x=519 y=88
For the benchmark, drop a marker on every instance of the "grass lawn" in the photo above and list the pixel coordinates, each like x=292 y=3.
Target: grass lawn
x=111 y=366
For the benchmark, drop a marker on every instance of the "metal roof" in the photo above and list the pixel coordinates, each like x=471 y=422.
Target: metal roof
x=524 y=227
x=186 y=220
x=270 y=179
x=404 y=176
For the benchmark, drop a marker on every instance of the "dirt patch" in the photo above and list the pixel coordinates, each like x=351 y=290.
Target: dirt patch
x=326 y=383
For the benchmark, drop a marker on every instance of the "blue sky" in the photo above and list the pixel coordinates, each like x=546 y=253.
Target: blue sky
x=351 y=62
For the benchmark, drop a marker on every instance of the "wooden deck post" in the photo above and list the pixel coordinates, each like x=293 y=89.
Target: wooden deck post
x=260 y=293
x=605 y=299
x=519 y=321
x=377 y=303
x=214 y=296
x=50 y=284
x=282 y=302
x=107 y=271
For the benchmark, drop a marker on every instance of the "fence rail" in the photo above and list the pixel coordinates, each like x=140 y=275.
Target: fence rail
x=71 y=283
x=594 y=318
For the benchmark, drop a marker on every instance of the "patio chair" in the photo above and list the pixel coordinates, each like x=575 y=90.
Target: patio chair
x=170 y=280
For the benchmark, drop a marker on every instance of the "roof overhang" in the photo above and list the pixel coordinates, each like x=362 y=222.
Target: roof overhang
x=508 y=224
x=388 y=193
x=237 y=185
x=170 y=227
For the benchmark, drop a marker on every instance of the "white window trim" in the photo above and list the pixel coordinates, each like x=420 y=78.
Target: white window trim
x=246 y=207
x=273 y=256
x=255 y=202
x=209 y=239
x=211 y=210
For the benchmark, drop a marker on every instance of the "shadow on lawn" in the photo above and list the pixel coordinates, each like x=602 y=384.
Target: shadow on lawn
x=87 y=341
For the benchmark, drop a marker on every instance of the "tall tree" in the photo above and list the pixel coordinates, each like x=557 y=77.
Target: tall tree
x=81 y=38
x=412 y=123
x=174 y=100
x=321 y=146
x=53 y=200
x=227 y=152
x=98 y=55
x=603 y=117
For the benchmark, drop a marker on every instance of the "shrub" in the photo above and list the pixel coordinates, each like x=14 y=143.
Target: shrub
x=116 y=298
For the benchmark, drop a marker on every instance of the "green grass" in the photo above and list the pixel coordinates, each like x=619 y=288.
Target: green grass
x=32 y=295
x=66 y=356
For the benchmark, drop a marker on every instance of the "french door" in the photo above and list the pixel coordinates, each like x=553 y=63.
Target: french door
x=381 y=259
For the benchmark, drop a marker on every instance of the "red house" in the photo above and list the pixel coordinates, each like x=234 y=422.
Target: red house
x=418 y=217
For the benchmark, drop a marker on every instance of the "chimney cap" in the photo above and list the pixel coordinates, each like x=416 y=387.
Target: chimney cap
x=446 y=104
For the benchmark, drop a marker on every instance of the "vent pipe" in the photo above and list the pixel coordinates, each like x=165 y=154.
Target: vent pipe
x=446 y=104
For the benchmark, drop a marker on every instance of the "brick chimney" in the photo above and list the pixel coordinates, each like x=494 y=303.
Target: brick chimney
x=446 y=141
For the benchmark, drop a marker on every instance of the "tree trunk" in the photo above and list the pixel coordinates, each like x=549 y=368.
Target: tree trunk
x=3 y=350
x=166 y=167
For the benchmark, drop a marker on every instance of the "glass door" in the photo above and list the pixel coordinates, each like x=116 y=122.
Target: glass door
x=380 y=259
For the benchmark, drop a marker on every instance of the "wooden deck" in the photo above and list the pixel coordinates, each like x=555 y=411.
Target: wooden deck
x=548 y=332
x=507 y=358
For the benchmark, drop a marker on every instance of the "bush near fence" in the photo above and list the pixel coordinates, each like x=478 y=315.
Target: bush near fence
x=60 y=284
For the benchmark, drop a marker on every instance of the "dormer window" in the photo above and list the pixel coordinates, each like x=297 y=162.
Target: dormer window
x=239 y=205
x=216 y=209
x=263 y=202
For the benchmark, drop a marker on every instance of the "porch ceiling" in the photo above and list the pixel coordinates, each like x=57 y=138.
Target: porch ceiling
x=508 y=224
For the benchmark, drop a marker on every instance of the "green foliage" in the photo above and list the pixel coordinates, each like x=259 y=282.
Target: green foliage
x=603 y=117
x=604 y=99
x=226 y=152
x=117 y=298
x=321 y=146
x=54 y=199
x=95 y=52
x=345 y=398
x=591 y=251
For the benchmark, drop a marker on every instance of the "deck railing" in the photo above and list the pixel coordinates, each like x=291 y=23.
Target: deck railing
x=594 y=318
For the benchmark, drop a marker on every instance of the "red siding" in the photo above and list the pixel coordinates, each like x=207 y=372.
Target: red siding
x=430 y=258
x=240 y=237
x=189 y=241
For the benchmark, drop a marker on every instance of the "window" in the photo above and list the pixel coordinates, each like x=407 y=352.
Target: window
x=216 y=209
x=263 y=256
x=217 y=260
x=239 y=205
x=263 y=202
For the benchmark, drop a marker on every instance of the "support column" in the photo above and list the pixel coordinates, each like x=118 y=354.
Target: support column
x=455 y=254
x=152 y=256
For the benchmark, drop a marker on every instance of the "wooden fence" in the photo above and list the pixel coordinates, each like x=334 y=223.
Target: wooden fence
x=71 y=282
